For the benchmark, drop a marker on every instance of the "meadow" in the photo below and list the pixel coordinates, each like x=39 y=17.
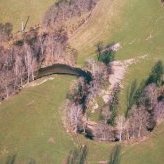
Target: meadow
x=15 y=12
x=30 y=122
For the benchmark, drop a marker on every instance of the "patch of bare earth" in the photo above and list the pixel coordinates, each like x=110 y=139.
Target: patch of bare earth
x=119 y=69
x=38 y=82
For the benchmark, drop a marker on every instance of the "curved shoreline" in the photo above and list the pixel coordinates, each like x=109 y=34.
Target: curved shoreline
x=64 y=69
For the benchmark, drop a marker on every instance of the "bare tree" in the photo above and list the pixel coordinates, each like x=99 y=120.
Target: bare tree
x=120 y=126
x=138 y=121
x=75 y=117
x=30 y=62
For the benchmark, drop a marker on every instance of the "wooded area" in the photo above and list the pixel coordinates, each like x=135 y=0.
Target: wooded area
x=23 y=54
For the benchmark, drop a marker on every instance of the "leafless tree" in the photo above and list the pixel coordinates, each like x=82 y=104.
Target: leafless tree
x=120 y=126
x=75 y=115
x=138 y=122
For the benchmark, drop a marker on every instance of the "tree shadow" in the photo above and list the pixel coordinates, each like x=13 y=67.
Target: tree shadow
x=115 y=155
x=156 y=75
x=31 y=161
x=133 y=94
x=26 y=23
x=11 y=159
x=135 y=90
x=77 y=156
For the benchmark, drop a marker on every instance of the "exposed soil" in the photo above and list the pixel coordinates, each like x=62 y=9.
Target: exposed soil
x=119 y=68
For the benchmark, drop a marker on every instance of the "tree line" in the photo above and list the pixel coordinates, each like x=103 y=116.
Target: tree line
x=20 y=61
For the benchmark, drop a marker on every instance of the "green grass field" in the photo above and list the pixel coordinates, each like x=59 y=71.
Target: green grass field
x=138 y=27
x=30 y=122
x=17 y=11
x=31 y=128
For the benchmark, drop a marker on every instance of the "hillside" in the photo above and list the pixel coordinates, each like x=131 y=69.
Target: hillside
x=15 y=12
x=31 y=122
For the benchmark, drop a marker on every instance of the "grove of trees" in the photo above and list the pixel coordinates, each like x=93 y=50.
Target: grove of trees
x=145 y=104
x=23 y=54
